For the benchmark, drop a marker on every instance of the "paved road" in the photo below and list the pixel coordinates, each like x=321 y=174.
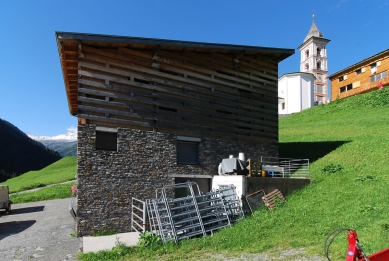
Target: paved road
x=38 y=231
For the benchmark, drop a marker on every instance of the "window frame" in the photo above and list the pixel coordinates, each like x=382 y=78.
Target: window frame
x=106 y=139
x=194 y=143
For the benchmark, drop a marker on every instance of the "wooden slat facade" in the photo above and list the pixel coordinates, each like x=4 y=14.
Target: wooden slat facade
x=197 y=89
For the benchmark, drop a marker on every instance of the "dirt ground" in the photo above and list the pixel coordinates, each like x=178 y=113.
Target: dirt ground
x=38 y=231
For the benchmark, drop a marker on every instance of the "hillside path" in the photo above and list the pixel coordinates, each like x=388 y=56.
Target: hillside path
x=38 y=231
x=35 y=189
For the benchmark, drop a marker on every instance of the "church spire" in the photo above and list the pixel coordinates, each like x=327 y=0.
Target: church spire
x=313 y=31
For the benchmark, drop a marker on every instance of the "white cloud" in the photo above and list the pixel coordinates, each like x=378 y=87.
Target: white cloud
x=72 y=129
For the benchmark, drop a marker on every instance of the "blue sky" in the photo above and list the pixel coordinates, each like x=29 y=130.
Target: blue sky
x=32 y=92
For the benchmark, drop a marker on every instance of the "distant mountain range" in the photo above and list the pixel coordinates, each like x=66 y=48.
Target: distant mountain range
x=65 y=144
x=19 y=153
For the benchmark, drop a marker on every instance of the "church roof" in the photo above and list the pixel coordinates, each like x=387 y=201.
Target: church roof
x=313 y=31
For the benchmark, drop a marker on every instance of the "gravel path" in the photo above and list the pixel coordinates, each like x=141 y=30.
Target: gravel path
x=38 y=231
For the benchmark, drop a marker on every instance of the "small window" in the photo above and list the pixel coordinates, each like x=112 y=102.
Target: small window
x=187 y=152
x=343 y=89
x=359 y=71
x=318 y=50
x=106 y=141
x=341 y=78
x=283 y=106
x=318 y=64
x=319 y=89
x=306 y=67
x=306 y=53
x=349 y=87
x=373 y=67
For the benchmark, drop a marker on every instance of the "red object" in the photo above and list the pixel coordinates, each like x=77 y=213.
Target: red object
x=355 y=252
x=380 y=86
x=74 y=189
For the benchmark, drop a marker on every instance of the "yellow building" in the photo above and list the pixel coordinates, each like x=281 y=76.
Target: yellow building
x=364 y=76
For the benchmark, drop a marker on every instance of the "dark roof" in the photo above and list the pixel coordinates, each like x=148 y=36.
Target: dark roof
x=280 y=53
x=313 y=31
x=356 y=65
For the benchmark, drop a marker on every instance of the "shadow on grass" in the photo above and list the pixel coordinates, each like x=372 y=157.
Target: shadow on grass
x=308 y=150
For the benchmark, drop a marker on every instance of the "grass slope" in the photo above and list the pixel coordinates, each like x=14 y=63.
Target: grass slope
x=52 y=192
x=63 y=170
x=347 y=142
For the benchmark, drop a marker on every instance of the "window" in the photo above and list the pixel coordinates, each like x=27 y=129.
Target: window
x=283 y=106
x=318 y=64
x=106 y=140
x=306 y=67
x=319 y=89
x=306 y=53
x=379 y=76
x=373 y=67
x=341 y=78
x=318 y=50
x=187 y=150
x=359 y=71
x=346 y=88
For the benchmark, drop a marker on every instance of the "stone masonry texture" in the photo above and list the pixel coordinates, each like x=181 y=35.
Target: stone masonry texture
x=107 y=180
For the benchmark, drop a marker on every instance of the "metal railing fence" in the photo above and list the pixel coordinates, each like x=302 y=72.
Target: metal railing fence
x=286 y=167
x=193 y=215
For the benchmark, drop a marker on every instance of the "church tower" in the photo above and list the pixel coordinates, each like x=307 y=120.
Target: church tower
x=313 y=60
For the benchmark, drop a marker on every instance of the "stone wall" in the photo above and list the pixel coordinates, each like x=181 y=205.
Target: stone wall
x=107 y=180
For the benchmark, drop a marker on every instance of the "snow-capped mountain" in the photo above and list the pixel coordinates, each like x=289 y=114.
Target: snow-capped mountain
x=69 y=136
x=65 y=144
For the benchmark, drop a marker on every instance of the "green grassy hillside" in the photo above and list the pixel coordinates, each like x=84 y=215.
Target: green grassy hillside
x=347 y=142
x=63 y=170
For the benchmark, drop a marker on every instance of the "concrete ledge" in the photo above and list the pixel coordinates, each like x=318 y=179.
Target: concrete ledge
x=96 y=244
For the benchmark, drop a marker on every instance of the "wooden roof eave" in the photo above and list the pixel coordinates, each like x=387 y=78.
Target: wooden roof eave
x=71 y=89
x=278 y=53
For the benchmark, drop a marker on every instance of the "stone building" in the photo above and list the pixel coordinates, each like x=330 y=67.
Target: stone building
x=153 y=112
x=364 y=76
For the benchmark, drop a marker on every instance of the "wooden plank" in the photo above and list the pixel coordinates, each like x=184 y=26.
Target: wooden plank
x=230 y=70
x=259 y=108
x=200 y=81
x=150 y=76
x=202 y=93
x=96 y=51
x=186 y=129
x=261 y=124
x=254 y=168
x=207 y=109
x=212 y=69
x=270 y=199
x=189 y=119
